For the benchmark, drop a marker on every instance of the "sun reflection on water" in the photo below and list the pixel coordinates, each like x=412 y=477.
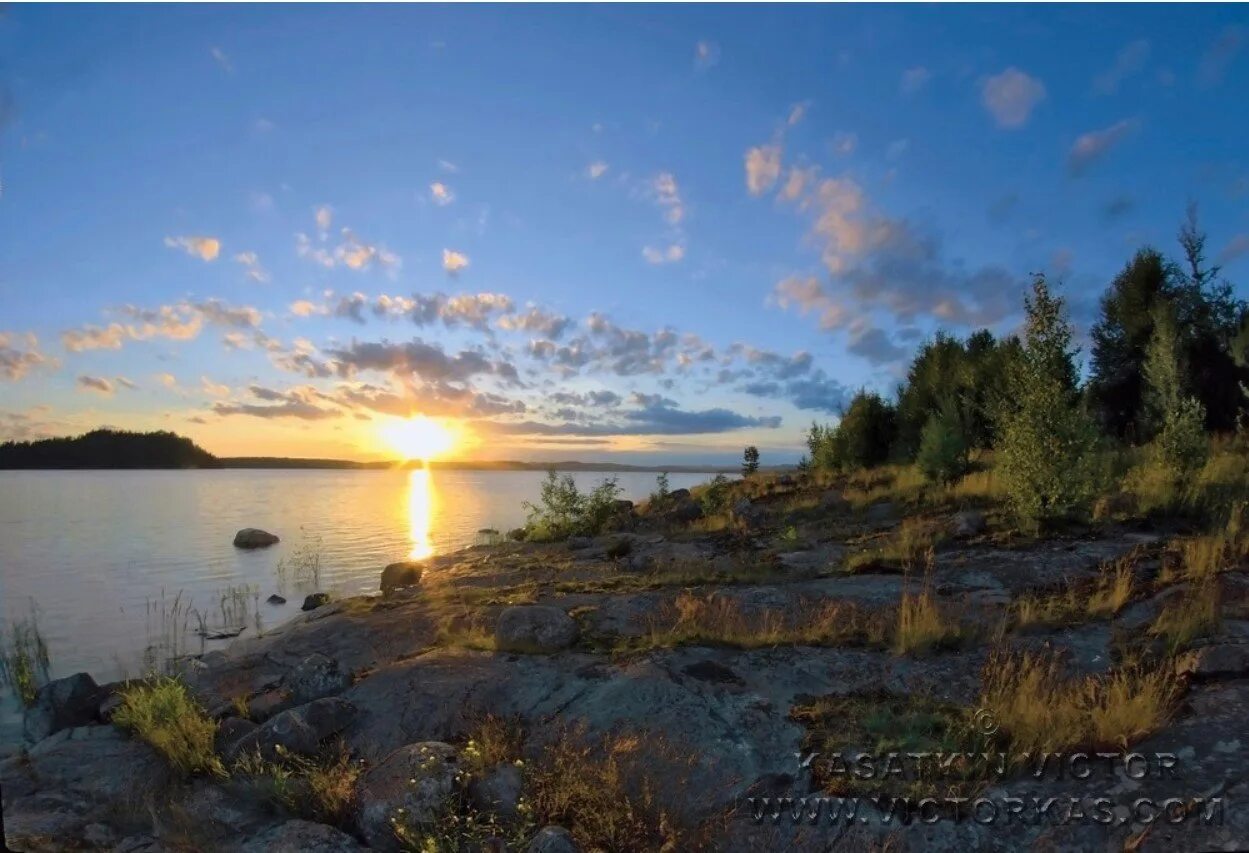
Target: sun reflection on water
x=421 y=499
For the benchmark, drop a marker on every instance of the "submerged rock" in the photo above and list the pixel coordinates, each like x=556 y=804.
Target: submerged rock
x=275 y=599
x=317 y=599
x=62 y=704
x=399 y=575
x=254 y=537
x=535 y=628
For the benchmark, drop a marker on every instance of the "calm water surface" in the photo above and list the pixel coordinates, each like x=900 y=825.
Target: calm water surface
x=96 y=551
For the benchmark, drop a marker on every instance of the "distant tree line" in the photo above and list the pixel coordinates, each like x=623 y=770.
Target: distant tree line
x=1169 y=366
x=107 y=448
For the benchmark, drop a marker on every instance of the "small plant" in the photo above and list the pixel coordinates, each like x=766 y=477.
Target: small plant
x=1197 y=614
x=303 y=566
x=715 y=498
x=163 y=713
x=921 y=625
x=320 y=789
x=24 y=661
x=662 y=496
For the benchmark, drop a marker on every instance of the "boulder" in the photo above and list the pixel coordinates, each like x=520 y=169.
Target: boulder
x=301 y=836
x=253 y=537
x=553 y=839
x=534 y=628
x=230 y=732
x=579 y=543
x=678 y=495
x=317 y=599
x=62 y=704
x=300 y=730
x=640 y=563
x=399 y=575
x=746 y=517
x=264 y=705
x=410 y=784
x=517 y=534
x=498 y=791
x=315 y=677
x=275 y=599
x=969 y=523
x=686 y=510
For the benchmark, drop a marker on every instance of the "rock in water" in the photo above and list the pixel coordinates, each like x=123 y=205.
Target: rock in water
x=400 y=575
x=535 y=628
x=411 y=783
x=317 y=599
x=62 y=704
x=253 y=537
x=275 y=599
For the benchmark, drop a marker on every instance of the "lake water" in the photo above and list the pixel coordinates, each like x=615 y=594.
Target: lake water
x=103 y=554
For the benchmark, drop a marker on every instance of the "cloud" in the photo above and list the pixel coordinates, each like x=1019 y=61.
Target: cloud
x=1219 y=57
x=453 y=261
x=204 y=248
x=763 y=168
x=596 y=170
x=178 y=322
x=1092 y=146
x=440 y=194
x=98 y=384
x=19 y=354
x=417 y=358
x=214 y=389
x=1129 y=60
x=668 y=197
x=1011 y=96
x=1118 y=207
x=304 y=308
x=299 y=403
x=1237 y=247
x=796 y=114
x=671 y=254
x=352 y=251
x=706 y=54
x=125 y=383
x=844 y=143
x=251 y=263
x=894 y=150
x=324 y=216
x=222 y=59
x=537 y=321
x=914 y=79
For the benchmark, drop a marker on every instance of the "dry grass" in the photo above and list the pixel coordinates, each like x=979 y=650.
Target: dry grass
x=495 y=740
x=719 y=620
x=1078 y=603
x=163 y=713
x=322 y=790
x=921 y=625
x=616 y=792
x=465 y=629
x=1038 y=709
x=1198 y=613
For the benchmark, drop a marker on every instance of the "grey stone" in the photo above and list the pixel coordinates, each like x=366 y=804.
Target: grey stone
x=314 y=677
x=275 y=599
x=579 y=543
x=535 y=628
x=410 y=785
x=230 y=731
x=686 y=510
x=301 y=836
x=747 y=517
x=253 y=537
x=61 y=704
x=969 y=523
x=400 y=575
x=553 y=839
x=498 y=791
x=315 y=600
x=300 y=730
x=1220 y=660
x=833 y=501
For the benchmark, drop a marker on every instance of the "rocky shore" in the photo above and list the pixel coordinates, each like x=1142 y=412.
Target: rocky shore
x=685 y=664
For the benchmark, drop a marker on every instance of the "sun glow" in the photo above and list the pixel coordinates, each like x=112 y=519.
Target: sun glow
x=419 y=437
x=421 y=502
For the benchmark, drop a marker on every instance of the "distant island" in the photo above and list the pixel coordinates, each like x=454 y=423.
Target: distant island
x=107 y=448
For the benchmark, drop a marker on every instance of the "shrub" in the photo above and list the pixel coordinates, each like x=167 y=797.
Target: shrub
x=1046 y=442
x=1197 y=614
x=565 y=511
x=715 y=498
x=662 y=496
x=163 y=713
x=321 y=789
x=921 y=625
x=942 y=449
x=750 y=461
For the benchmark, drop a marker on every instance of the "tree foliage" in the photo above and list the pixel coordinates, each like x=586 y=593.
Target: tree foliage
x=107 y=448
x=750 y=460
x=1046 y=440
x=943 y=456
x=564 y=510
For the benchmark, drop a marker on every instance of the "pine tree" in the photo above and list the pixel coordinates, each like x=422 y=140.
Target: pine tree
x=750 y=460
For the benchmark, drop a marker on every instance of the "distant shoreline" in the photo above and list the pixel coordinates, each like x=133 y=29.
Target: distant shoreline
x=296 y=464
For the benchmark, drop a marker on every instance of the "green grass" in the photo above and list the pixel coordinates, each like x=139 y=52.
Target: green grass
x=163 y=713
x=24 y=660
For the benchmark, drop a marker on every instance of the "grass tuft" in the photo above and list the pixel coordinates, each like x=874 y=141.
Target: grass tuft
x=163 y=713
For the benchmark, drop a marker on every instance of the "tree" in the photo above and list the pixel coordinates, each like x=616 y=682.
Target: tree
x=1120 y=338
x=862 y=439
x=1046 y=440
x=942 y=455
x=750 y=460
x=1177 y=418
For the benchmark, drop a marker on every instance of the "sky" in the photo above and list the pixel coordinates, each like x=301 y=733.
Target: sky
x=639 y=233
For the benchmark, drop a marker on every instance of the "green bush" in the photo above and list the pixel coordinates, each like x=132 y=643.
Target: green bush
x=1046 y=442
x=163 y=713
x=715 y=498
x=565 y=511
x=942 y=453
x=662 y=495
x=862 y=439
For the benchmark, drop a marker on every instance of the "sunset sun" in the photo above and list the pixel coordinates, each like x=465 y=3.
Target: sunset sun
x=418 y=437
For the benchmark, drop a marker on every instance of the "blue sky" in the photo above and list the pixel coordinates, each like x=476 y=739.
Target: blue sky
x=642 y=232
